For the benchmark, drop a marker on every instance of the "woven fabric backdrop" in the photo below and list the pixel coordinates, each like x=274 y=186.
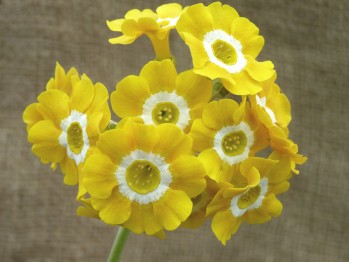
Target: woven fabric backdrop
x=308 y=43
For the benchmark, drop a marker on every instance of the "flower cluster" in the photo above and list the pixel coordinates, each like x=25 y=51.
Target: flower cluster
x=208 y=143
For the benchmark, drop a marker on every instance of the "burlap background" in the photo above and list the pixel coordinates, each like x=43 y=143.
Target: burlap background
x=307 y=41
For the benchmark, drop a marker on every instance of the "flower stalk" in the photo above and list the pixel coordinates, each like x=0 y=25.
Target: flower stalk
x=118 y=245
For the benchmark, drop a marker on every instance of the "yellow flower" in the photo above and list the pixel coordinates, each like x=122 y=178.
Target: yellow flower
x=271 y=106
x=155 y=25
x=282 y=145
x=62 y=81
x=144 y=177
x=224 y=46
x=159 y=95
x=66 y=121
x=200 y=203
x=252 y=201
x=226 y=135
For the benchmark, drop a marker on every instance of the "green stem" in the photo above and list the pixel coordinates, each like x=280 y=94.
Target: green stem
x=118 y=244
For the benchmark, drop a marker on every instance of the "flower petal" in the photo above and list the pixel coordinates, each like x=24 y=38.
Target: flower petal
x=224 y=225
x=44 y=137
x=193 y=88
x=82 y=94
x=160 y=76
x=203 y=137
x=142 y=219
x=54 y=105
x=130 y=95
x=173 y=208
x=172 y=142
x=98 y=173
x=188 y=175
x=114 y=210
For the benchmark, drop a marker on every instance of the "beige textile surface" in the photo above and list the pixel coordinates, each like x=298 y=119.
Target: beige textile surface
x=308 y=43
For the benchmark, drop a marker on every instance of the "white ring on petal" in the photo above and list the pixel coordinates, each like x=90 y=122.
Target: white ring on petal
x=171 y=22
x=209 y=40
x=80 y=118
x=178 y=101
x=219 y=136
x=156 y=194
x=237 y=212
x=262 y=102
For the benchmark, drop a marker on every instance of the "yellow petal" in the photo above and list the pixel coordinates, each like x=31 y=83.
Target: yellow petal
x=143 y=137
x=198 y=53
x=130 y=95
x=195 y=20
x=248 y=34
x=70 y=171
x=99 y=104
x=131 y=28
x=93 y=127
x=82 y=94
x=188 y=175
x=243 y=84
x=213 y=71
x=203 y=137
x=223 y=15
x=172 y=142
x=224 y=225
x=142 y=219
x=212 y=163
x=123 y=40
x=169 y=10
x=98 y=173
x=44 y=137
x=54 y=105
x=31 y=115
x=272 y=205
x=194 y=88
x=115 y=25
x=260 y=71
x=114 y=210
x=218 y=114
x=173 y=208
x=115 y=144
x=160 y=76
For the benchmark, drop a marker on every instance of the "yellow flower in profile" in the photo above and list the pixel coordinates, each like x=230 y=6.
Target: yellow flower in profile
x=226 y=135
x=282 y=145
x=253 y=200
x=271 y=106
x=200 y=203
x=144 y=177
x=156 y=26
x=224 y=46
x=159 y=95
x=67 y=121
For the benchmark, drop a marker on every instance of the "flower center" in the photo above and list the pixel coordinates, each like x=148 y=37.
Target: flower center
x=165 y=112
x=224 y=52
x=234 y=143
x=249 y=198
x=75 y=137
x=142 y=176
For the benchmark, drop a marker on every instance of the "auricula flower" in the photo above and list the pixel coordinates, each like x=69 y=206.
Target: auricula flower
x=271 y=106
x=224 y=46
x=253 y=200
x=226 y=135
x=66 y=121
x=156 y=26
x=144 y=177
x=159 y=95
